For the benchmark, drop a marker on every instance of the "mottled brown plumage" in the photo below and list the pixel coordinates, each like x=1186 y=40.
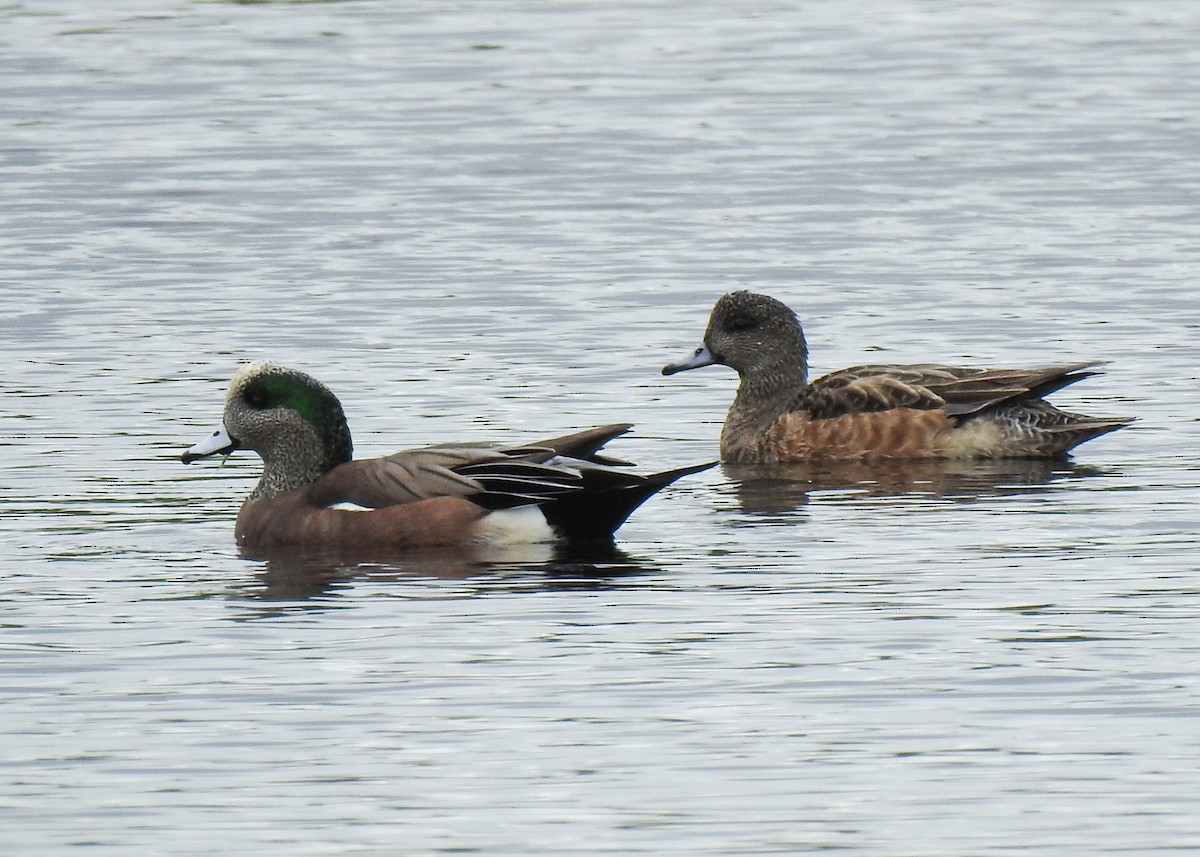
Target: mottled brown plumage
x=449 y=494
x=877 y=411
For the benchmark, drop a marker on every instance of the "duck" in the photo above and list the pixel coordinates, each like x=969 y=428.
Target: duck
x=314 y=494
x=874 y=412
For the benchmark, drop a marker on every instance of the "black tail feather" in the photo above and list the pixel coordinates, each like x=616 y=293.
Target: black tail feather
x=608 y=498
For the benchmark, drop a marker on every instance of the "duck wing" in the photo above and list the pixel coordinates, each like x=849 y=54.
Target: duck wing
x=491 y=477
x=958 y=391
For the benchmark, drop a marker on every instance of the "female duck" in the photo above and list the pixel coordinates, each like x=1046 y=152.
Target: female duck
x=876 y=412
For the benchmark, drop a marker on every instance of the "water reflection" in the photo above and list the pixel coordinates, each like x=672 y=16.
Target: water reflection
x=779 y=488
x=300 y=574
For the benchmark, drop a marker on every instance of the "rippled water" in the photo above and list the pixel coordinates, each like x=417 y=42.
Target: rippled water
x=476 y=221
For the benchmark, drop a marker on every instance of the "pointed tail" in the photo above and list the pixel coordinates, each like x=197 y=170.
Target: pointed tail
x=608 y=498
x=1066 y=437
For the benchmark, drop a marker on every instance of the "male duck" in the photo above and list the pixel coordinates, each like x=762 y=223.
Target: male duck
x=876 y=412
x=449 y=494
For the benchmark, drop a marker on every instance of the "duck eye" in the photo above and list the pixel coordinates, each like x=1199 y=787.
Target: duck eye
x=739 y=323
x=256 y=398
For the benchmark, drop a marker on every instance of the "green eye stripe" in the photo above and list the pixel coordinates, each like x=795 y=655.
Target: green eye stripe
x=315 y=405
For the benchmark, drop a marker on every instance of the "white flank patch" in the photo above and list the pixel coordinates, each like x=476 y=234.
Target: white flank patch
x=350 y=507
x=522 y=525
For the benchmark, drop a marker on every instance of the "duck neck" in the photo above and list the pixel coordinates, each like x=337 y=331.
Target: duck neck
x=280 y=480
x=762 y=398
x=297 y=462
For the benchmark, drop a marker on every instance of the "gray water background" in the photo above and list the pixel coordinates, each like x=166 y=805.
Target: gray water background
x=481 y=220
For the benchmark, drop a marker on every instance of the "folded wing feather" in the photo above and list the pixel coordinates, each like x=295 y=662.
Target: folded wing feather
x=956 y=390
x=494 y=477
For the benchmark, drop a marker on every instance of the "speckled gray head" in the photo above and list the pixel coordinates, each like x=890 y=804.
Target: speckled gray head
x=293 y=421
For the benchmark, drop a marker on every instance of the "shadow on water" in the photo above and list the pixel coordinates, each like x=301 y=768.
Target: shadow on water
x=779 y=488
x=318 y=575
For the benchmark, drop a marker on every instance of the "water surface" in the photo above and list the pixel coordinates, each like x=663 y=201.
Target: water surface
x=482 y=222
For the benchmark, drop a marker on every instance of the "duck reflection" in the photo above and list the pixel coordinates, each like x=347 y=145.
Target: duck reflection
x=299 y=574
x=782 y=487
